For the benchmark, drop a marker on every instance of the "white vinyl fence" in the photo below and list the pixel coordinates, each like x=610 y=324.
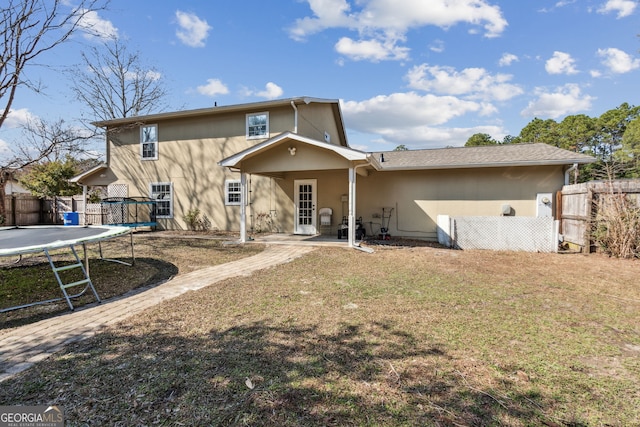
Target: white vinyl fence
x=501 y=233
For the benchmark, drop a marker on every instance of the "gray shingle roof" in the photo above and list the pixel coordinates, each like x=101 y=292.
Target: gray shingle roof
x=485 y=156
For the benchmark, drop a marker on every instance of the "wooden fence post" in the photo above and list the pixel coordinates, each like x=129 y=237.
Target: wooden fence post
x=13 y=210
x=589 y=221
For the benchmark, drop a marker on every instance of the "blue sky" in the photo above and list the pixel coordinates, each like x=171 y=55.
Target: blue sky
x=425 y=74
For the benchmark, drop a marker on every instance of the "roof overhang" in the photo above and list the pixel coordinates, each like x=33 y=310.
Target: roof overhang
x=213 y=110
x=84 y=175
x=485 y=165
x=235 y=161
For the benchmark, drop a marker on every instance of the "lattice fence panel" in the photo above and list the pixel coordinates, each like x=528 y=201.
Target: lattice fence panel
x=115 y=214
x=529 y=234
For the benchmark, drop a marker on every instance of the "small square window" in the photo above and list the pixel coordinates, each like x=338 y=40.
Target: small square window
x=149 y=142
x=257 y=125
x=232 y=192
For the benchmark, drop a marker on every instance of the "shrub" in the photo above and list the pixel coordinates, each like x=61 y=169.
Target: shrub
x=195 y=221
x=616 y=225
x=263 y=223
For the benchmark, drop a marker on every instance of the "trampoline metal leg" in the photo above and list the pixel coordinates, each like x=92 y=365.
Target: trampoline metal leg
x=64 y=286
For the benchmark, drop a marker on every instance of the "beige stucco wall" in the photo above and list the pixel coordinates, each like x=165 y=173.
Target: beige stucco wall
x=188 y=152
x=418 y=197
x=307 y=158
x=316 y=119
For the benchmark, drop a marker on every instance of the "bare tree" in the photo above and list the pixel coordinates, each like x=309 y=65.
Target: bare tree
x=50 y=141
x=28 y=28
x=114 y=83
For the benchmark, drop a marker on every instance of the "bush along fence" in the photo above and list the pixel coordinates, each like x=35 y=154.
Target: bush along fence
x=602 y=216
x=597 y=216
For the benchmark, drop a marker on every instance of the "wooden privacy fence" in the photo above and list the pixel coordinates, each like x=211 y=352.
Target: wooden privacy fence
x=578 y=205
x=25 y=209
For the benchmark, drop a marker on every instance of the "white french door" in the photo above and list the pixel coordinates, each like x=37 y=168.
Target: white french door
x=305 y=205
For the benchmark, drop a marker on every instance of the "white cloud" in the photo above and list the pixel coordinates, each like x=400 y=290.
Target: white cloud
x=561 y=63
x=618 y=61
x=150 y=75
x=4 y=148
x=422 y=137
x=153 y=75
x=437 y=46
x=192 y=30
x=272 y=91
x=328 y=14
x=567 y=99
x=372 y=50
x=473 y=83
x=400 y=111
x=507 y=59
x=18 y=118
x=381 y=24
x=624 y=8
x=93 y=26
x=213 y=87
x=416 y=120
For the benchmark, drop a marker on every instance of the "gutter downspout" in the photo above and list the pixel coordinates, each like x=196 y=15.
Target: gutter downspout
x=567 y=179
x=295 y=117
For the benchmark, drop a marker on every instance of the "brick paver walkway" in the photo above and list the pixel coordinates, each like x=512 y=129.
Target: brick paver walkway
x=21 y=347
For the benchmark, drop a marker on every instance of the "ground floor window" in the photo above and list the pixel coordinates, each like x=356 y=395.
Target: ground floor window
x=162 y=193
x=232 y=192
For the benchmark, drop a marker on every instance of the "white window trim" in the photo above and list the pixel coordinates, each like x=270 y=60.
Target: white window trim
x=155 y=151
x=227 y=192
x=266 y=135
x=170 y=184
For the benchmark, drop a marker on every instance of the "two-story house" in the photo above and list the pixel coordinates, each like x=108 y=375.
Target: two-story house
x=288 y=159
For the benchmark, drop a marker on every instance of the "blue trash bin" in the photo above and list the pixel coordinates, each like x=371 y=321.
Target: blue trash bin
x=71 y=218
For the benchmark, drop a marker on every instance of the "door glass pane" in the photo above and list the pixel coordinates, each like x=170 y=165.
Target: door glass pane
x=305 y=205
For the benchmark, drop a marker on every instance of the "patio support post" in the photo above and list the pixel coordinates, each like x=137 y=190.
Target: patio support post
x=352 y=206
x=243 y=207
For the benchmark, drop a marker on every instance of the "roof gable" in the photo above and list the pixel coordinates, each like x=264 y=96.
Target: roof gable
x=345 y=152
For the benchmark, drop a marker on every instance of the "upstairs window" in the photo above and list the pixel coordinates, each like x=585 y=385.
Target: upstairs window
x=149 y=142
x=162 y=193
x=257 y=125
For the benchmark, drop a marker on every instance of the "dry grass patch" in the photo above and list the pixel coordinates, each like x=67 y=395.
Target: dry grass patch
x=159 y=256
x=404 y=336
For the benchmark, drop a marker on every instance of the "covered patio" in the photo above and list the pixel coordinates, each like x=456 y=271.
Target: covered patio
x=298 y=161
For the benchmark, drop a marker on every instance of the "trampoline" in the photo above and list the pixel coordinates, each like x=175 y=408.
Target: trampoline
x=17 y=241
